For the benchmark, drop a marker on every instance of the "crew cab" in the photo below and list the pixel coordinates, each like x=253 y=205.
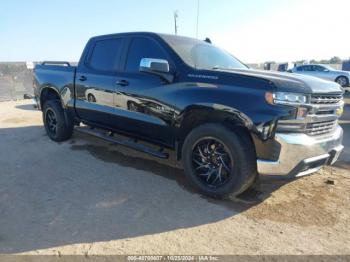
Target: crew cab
x=227 y=123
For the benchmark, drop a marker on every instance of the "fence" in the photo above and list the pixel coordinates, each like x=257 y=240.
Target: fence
x=15 y=80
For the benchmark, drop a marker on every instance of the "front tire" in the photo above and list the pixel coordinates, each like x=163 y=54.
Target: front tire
x=58 y=126
x=343 y=81
x=91 y=98
x=219 y=162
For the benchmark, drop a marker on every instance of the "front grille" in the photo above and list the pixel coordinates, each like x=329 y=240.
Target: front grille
x=322 y=99
x=320 y=120
x=320 y=128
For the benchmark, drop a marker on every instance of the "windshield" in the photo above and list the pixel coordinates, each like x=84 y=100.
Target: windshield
x=202 y=55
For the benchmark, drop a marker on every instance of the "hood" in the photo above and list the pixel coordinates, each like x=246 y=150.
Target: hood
x=290 y=82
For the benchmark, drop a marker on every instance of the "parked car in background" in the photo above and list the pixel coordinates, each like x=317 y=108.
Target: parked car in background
x=324 y=72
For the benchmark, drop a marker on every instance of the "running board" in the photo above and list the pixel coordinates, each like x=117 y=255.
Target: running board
x=127 y=143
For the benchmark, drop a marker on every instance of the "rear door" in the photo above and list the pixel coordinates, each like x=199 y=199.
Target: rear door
x=139 y=99
x=96 y=81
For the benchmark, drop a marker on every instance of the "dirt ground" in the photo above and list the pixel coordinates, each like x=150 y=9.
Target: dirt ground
x=85 y=196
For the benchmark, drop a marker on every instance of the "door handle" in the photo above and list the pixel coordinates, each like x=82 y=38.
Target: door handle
x=122 y=83
x=83 y=78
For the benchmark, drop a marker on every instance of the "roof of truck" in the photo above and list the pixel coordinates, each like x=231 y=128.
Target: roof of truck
x=162 y=35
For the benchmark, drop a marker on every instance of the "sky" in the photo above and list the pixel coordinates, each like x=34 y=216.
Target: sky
x=253 y=30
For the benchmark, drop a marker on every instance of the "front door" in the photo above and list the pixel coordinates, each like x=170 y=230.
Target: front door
x=323 y=73
x=140 y=97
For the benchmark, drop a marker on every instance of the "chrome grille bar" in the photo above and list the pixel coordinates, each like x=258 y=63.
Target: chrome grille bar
x=319 y=128
x=326 y=99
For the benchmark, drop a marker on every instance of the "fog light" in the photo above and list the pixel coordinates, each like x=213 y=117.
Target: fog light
x=339 y=112
x=301 y=112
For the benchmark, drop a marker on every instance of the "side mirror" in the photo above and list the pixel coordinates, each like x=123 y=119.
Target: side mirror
x=159 y=67
x=152 y=64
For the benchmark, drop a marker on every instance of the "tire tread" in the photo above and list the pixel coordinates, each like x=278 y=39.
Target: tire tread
x=65 y=125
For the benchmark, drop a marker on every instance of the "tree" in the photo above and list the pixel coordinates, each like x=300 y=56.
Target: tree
x=324 y=61
x=335 y=60
x=300 y=62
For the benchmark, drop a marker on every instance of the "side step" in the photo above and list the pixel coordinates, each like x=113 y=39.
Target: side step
x=124 y=142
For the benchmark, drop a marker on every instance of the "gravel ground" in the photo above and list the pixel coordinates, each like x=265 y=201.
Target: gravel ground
x=85 y=196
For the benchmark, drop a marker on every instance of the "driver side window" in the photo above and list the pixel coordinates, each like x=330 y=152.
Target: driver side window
x=142 y=47
x=320 y=68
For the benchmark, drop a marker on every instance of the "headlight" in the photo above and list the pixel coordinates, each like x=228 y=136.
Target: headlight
x=284 y=98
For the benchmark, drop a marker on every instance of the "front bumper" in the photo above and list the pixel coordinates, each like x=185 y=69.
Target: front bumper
x=302 y=154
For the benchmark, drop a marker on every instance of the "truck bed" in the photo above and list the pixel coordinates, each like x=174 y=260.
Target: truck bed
x=57 y=76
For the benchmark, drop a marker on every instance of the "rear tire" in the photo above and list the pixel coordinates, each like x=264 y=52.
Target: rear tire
x=211 y=149
x=343 y=81
x=58 y=126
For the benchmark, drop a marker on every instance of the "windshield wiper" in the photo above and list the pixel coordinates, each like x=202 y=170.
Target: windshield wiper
x=221 y=68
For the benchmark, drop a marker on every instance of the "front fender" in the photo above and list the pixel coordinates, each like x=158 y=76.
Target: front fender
x=202 y=113
x=261 y=134
x=221 y=111
x=205 y=112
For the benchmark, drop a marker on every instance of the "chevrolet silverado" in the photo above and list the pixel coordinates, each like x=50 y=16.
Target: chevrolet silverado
x=227 y=123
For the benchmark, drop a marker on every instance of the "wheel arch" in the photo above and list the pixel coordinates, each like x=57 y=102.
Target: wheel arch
x=196 y=115
x=48 y=93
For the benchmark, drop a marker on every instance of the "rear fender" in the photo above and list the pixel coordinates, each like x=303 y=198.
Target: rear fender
x=54 y=91
x=64 y=94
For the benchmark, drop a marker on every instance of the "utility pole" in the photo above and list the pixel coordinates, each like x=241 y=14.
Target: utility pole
x=176 y=15
x=197 y=19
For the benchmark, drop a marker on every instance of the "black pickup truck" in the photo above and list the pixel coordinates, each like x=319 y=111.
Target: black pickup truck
x=226 y=122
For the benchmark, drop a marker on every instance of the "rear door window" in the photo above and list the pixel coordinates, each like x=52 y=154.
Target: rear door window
x=307 y=68
x=106 y=55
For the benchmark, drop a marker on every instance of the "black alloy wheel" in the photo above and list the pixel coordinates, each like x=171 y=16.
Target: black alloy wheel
x=58 y=123
x=212 y=162
x=219 y=161
x=51 y=121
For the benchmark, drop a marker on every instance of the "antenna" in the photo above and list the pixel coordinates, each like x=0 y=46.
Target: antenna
x=197 y=19
x=176 y=15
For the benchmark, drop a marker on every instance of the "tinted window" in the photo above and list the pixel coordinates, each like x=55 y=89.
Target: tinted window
x=300 y=68
x=320 y=68
x=142 y=48
x=105 y=55
x=307 y=68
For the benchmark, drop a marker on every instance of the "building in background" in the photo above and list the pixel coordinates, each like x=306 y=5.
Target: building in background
x=346 y=65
